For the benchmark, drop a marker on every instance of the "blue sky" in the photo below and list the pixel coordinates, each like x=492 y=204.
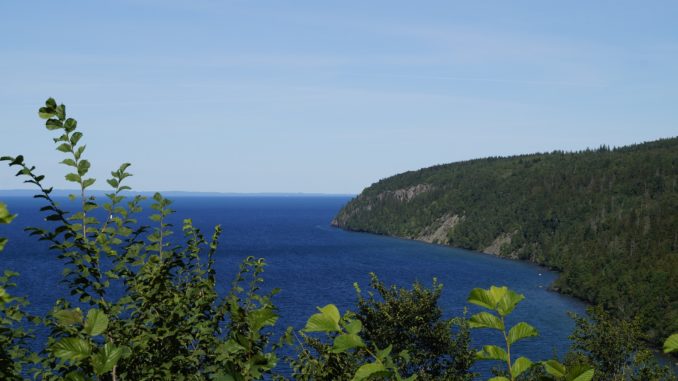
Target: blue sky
x=330 y=96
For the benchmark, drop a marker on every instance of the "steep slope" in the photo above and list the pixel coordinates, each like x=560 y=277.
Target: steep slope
x=607 y=219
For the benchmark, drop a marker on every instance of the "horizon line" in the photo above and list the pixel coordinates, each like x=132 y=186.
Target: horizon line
x=64 y=191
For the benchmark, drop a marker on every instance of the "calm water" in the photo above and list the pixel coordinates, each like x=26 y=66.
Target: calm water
x=315 y=264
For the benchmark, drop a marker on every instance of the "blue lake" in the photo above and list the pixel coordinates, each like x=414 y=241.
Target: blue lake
x=315 y=264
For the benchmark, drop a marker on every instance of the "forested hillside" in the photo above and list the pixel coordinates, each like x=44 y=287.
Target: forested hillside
x=606 y=218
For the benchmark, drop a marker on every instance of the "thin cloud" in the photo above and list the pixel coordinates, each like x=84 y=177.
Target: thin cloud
x=499 y=80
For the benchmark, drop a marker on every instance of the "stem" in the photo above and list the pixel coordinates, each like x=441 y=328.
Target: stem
x=508 y=348
x=373 y=355
x=162 y=217
x=299 y=340
x=82 y=190
x=84 y=212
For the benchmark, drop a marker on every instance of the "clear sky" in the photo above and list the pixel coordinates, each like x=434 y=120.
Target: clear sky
x=329 y=96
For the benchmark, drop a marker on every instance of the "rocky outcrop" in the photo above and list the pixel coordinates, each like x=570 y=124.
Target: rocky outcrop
x=365 y=203
x=438 y=231
x=406 y=194
x=498 y=243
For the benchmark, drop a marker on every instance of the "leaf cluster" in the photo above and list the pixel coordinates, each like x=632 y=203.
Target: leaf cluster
x=411 y=320
x=347 y=347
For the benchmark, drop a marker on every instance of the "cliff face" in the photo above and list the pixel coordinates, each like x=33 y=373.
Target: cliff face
x=607 y=219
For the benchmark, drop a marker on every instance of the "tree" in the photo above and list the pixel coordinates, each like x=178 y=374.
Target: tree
x=169 y=323
x=13 y=335
x=411 y=320
x=614 y=347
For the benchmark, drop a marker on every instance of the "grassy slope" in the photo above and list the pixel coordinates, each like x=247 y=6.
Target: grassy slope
x=607 y=219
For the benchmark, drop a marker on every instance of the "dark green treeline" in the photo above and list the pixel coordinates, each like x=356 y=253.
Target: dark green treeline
x=606 y=218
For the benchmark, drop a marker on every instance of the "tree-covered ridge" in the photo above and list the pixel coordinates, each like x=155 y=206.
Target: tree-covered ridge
x=606 y=218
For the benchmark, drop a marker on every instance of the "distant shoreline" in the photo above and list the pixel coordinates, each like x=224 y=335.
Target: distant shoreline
x=66 y=192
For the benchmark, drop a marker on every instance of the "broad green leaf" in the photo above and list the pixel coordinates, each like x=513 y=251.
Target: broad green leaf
x=500 y=299
x=75 y=376
x=491 y=352
x=368 y=370
x=72 y=177
x=262 y=317
x=354 y=327
x=5 y=216
x=520 y=365
x=75 y=138
x=64 y=147
x=382 y=353
x=19 y=160
x=45 y=113
x=671 y=344
x=579 y=373
x=327 y=320
x=72 y=349
x=231 y=346
x=106 y=358
x=482 y=298
x=521 y=331
x=497 y=293
x=508 y=302
x=486 y=320
x=498 y=378
x=88 y=182
x=96 y=322
x=344 y=342
x=79 y=152
x=68 y=317
x=70 y=124
x=332 y=311
x=4 y=296
x=53 y=124
x=69 y=162
x=554 y=368
x=83 y=167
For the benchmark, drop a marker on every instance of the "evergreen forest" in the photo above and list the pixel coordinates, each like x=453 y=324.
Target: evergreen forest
x=606 y=219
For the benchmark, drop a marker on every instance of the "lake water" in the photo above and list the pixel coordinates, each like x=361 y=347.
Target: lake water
x=315 y=264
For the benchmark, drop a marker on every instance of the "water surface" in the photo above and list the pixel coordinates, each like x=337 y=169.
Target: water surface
x=315 y=264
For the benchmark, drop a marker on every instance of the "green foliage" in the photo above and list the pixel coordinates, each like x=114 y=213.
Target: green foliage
x=614 y=348
x=502 y=301
x=5 y=218
x=78 y=351
x=169 y=323
x=14 y=353
x=406 y=322
x=606 y=219
x=14 y=336
x=671 y=344
x=348 y=348
x=411 y=320
x=609 y=343
x=561 y=372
